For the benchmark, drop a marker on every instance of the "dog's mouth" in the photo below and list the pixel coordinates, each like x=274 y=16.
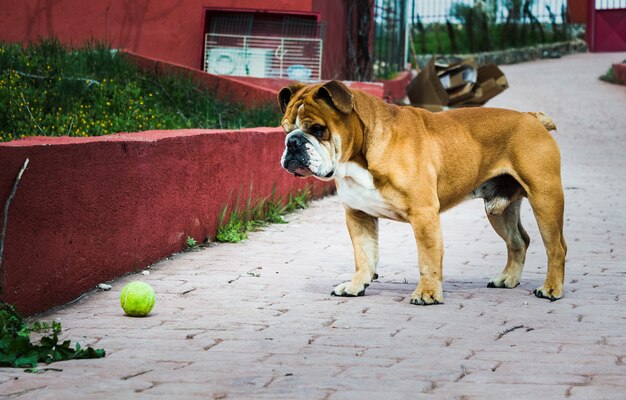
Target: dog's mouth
x=302 y=172
x=304 y=158
x=297 y=168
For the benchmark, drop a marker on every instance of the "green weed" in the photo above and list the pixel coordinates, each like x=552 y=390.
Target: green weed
x=610 y=77
x=269 y=210
x=191 y=243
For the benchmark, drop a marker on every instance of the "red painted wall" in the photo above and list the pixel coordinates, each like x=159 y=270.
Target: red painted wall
x=395 y=89
x=89 y=210
x=171 y=30
x=258 y=91
x=334 y=13
x=619 y=70
x=247 y=91
x=577 y=11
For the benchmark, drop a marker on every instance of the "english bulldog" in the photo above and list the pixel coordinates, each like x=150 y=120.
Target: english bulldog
x=408 y=164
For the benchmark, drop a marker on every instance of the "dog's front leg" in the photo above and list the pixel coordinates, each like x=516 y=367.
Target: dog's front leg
x=363 y=230
x=427 y=229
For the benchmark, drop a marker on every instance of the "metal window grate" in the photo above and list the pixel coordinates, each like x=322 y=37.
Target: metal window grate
x=263 y=56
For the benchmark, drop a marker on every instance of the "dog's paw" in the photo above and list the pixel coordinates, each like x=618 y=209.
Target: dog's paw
x=349 y=289
x=426 y=297
x=504 y=281
x=551 y=294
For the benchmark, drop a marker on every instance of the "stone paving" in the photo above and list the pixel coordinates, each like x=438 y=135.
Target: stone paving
x=255 y=320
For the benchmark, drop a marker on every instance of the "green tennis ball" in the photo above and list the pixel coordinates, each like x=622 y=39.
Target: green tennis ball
x=137 y=299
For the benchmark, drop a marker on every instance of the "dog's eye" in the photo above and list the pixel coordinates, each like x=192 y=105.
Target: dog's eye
x=318 y=130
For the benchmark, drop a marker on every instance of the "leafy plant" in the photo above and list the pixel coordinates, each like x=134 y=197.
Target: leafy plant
x=234 y=230
x=299 y=201
x=191 y=242
x=16 y=349
x=266 y=211
x=610 y=76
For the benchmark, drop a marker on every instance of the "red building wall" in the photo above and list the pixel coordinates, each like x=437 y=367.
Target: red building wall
x=171 y=30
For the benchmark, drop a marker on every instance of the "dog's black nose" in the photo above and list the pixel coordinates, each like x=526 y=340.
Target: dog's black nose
x=294 y=142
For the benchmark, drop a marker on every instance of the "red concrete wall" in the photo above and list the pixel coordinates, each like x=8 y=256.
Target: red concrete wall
x=577 y=11
x=247 y=91
x=170 y=30
x=257 y=91
x=335 y=14
x=89 y=210
x=395 y=89
x=619 y=70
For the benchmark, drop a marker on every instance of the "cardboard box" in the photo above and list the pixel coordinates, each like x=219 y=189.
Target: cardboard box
x=425 y=90
x=454 y=76
x=441 y=86
x=490 y=83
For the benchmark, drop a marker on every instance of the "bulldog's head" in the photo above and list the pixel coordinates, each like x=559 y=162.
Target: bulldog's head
x=315 y=123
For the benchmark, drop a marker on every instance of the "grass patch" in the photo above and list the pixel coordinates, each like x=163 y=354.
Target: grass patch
x=234 y=228
x=47 y=89
x=610 y=77
x=191 y=243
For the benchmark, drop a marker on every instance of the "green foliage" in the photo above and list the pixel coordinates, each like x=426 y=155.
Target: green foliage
x=610 y=77
x=191 y=242
x=46 y=89
x=436 y=38
x=16 y=349
x=299 y=201
x=474 y=28
x=266 y=211
x=234 y=229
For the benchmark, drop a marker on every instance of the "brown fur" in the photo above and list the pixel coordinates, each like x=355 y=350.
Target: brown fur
x=424 y=163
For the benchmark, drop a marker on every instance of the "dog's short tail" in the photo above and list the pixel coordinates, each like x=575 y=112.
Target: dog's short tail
x=547 y=122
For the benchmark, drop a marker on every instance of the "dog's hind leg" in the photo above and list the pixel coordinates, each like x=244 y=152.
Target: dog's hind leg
x=509 y=227
x=548 y=205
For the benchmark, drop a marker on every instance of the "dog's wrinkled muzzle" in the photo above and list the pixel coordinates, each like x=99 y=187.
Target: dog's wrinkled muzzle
x=296 y=159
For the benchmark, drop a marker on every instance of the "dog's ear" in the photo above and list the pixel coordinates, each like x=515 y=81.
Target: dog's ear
x=337 y=94
x=286 y=93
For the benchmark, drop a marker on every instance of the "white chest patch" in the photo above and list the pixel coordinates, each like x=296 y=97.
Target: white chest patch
x=355 y=187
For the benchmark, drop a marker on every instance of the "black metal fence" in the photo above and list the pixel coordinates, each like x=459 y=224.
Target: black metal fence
x=406 y=27
x=391 y=37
